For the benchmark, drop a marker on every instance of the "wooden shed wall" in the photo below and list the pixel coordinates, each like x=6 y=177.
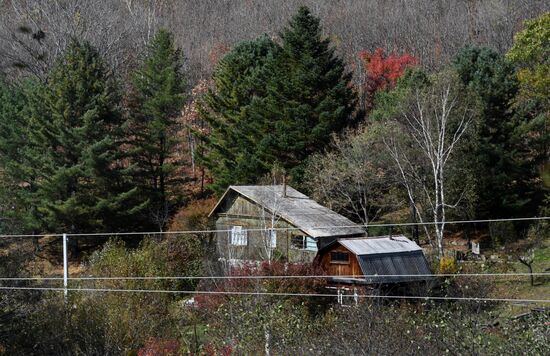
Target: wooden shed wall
x=340 y=269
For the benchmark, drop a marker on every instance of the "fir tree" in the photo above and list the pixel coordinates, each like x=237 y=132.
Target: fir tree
x=155 y=104
x=12 y=124
x=310 y=95
x=232 y=146
x=12 y=140
x=73 y=178
x=275 y=104
x=501 y=173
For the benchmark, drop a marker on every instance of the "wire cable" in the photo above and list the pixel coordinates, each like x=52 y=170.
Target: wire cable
x=84 y=278
x=280 y=294
x=134 y=233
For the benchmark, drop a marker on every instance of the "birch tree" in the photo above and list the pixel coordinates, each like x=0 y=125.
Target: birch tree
x=431 y=125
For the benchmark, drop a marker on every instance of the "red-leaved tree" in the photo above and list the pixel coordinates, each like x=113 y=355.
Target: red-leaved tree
x=382 y=71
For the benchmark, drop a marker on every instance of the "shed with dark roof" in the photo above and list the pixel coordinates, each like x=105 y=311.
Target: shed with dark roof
x=374 y=260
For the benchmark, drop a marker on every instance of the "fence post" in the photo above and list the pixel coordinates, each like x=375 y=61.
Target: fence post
x=65 y=266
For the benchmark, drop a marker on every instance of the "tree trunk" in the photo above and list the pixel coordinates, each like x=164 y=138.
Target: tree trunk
x=414 y=229
x=529 y=264
x=267 y=335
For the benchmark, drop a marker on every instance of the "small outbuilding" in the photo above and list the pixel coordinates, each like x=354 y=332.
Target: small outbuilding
x=374 y=260
x=266 y=222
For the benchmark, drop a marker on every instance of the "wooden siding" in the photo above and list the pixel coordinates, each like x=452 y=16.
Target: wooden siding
x=340 y=269
x=239 y=211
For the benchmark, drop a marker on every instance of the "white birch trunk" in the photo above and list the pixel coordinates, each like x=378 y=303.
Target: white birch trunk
x=427 y=121
x=267 y=337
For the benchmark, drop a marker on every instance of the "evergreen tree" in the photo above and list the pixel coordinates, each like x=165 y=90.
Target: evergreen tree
x=530 y=54
x=504 y=175
x=310 y=96
x=275 y=104
x=232 y=145
x=73 y=178
x=155 y=104
x=11 y=135
x=12 y=139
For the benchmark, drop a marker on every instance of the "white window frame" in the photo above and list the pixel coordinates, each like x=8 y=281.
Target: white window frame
x=271 y=238
x=238 y=236
x=311 y=244
x=308 y=244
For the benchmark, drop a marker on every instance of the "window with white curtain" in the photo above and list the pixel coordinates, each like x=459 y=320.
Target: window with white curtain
x=238 y=236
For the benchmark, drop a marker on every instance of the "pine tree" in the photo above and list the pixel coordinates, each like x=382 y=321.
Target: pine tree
x=12 y=139
x=275 y=104
x=502 y=174
x=155 y=104
x=310 y=95
x=73 y=178
x=232 y=145
x=12 y=123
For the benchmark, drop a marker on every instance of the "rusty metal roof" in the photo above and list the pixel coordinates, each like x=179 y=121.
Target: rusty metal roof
x=298 y=209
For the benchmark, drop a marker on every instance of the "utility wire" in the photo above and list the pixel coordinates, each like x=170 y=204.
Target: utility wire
x=280 y=294
x=84 y=278
x=133 y=233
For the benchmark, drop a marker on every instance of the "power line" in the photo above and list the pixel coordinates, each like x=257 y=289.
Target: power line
x=134 y=233
x=84 y=278
x=279 y=294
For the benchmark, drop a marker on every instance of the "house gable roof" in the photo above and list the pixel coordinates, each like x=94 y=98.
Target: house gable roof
x=296 y=208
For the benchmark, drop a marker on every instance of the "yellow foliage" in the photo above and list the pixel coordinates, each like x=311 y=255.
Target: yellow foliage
x=447 y=265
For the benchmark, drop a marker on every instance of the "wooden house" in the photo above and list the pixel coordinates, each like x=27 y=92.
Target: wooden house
x=275 y=222
x=374 y=260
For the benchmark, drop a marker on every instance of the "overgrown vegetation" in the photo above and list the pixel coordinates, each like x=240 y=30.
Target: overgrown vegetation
x=100 y=132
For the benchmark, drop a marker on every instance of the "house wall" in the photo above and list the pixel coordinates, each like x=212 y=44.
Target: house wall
x=340 y=269
x=239 y=211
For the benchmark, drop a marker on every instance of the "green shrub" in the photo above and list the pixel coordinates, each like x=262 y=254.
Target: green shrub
x=502 y=232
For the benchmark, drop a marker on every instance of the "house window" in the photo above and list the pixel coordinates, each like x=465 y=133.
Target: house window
x=339 y=257
x=298 y=242
x=311 y=244
x=303 y=243
x=238 y=236
x=271 y=238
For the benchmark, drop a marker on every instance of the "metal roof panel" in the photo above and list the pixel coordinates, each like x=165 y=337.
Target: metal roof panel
x=377 y=245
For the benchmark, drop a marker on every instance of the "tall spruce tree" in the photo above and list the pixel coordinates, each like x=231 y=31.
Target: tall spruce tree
x=73 y=178
x=236 y=129
x=501 y=173
x=155 y=104
x=12 y=102
x=310 y=95
x=12 y=139
x=275 y=104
